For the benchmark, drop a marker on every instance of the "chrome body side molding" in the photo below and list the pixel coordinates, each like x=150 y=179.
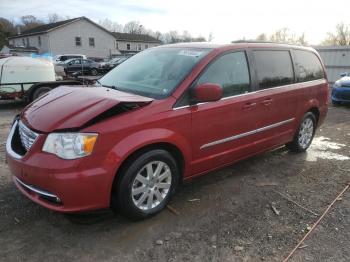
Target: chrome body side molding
x=231 y=138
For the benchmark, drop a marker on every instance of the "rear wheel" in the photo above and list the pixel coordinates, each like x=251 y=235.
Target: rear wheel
x=304 y=135
x=40 y=91
x=145 y=185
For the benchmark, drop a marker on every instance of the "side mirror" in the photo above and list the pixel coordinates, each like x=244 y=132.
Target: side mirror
x=344 y=74
x=207 y=92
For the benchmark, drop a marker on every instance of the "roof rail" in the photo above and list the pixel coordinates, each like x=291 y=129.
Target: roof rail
x=261 y=42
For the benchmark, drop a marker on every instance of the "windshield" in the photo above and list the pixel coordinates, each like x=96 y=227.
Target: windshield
x=154 y=72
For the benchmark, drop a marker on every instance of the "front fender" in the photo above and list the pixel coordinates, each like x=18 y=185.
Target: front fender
x=130 y=144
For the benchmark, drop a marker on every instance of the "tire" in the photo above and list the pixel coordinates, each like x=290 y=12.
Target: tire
x=133 y=191
x=94 y=72
x=304 y=135
x=40 y=91
x=336 y=103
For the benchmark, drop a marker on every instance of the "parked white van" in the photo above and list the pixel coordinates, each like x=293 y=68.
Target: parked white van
x=26 y=77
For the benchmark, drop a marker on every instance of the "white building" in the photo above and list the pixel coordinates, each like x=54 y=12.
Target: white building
x=336 y=60
x=80 y=36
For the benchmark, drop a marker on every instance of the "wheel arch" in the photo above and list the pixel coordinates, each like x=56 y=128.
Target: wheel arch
x=316 y=113
x=170 y=147
x=313 y=106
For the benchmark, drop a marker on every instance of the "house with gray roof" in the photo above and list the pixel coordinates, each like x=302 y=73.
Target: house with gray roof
x=133 y=43
x=81 y=36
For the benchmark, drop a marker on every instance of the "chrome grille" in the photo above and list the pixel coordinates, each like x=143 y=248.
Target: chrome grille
x=27 y=136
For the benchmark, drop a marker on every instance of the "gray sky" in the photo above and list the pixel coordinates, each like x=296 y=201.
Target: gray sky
x=227 y=20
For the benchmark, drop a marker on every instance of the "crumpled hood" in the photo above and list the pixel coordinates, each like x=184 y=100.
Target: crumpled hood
x=72 y=107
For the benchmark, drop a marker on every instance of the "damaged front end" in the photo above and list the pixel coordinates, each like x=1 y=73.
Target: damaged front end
x=73 y=108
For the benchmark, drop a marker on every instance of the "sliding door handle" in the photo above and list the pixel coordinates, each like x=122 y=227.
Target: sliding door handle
x=249 y=105
x=267 y=101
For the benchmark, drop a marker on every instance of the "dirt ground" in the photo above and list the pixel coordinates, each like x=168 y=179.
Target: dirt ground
x=223 y=216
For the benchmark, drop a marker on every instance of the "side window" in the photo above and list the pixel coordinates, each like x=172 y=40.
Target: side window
x=231 y=72
x=274 y=68
x=77 y=62
x=308 y=66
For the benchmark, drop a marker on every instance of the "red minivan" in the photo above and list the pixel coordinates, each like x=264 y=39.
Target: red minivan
x=165 y=115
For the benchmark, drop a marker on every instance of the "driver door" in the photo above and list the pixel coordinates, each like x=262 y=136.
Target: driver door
x=222 y=131
x=74 y=66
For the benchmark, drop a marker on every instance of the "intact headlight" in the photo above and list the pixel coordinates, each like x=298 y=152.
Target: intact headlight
x=70 y=145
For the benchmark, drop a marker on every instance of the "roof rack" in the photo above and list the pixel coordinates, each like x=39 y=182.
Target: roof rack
x=260 y=42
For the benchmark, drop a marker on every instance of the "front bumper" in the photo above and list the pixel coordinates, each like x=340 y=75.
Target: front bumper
x=341 y=94
x=60 y=185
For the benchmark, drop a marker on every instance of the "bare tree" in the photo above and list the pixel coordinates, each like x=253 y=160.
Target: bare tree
x=262 y=37
x=301 y=40
x=7 y=28
x=210 y=37
x=283 y=35
x=341 y=36
x=134 y=27
x=111 y=25
x=157 y=35
x=29 y=22
x=53 y=18
x=186 y=36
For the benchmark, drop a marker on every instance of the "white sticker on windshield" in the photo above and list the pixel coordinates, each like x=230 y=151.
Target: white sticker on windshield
x=190 y=53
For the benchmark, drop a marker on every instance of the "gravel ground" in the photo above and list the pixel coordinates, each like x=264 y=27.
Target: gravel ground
x=224 y=216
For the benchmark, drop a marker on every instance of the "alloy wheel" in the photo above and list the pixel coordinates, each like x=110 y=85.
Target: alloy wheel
x=306 y=132
x=151 y=185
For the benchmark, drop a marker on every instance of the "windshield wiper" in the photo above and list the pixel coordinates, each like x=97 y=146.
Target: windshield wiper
x=110 y=86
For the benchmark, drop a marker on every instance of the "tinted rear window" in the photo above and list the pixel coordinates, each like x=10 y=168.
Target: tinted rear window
x=308 y=66
x=274 y=68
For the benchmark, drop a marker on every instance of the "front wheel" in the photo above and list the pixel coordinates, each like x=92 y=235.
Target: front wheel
x=304 y=135
x=145 y=184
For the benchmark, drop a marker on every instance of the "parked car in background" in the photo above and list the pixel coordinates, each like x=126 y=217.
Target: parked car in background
x=341 y=90
x=113 y=63
x=165 y=115
x=62 y=58
x=27 y=78
x=97 y=59
x=82 y=66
